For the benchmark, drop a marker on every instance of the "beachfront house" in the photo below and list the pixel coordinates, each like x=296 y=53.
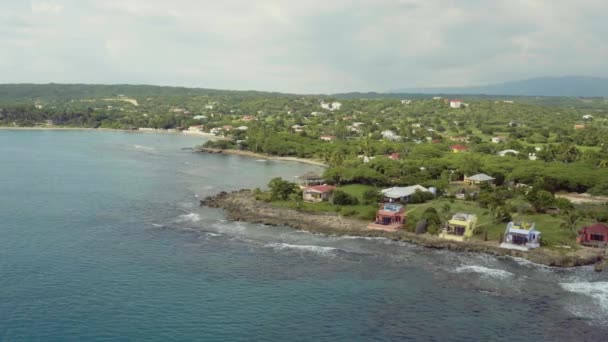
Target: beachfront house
x=521 y=236
x=480 y=178
x=389 y=217
x=594 y=235
x=318 y=193
x=459 y=228
x=401 y=194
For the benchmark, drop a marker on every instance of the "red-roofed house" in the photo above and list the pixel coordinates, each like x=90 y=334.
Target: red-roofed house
x=594 y=235
x=459 y=148
x=389 y=217
x=455 y=103
x=318 y=193
x=393 y=156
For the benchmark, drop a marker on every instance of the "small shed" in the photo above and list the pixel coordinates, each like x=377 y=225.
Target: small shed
x=594 y=235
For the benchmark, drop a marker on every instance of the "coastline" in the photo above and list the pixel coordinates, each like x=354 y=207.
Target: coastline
x=209 y=136
x=242 y=206
x=261 y=156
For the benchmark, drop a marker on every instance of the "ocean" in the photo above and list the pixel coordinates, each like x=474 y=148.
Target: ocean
x=102 y=239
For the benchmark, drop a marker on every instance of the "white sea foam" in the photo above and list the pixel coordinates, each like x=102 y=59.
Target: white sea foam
x=157 y=225
x=484 y=271
x=306 y=248
x=191 y=217
x=213 y=234
x=148 y=148
x=598 y=291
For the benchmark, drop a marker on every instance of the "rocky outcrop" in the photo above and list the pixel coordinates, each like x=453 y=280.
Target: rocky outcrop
x=243 y=206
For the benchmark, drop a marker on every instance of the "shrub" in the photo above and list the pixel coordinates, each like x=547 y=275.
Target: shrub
x=372 y=196
x=342 y=198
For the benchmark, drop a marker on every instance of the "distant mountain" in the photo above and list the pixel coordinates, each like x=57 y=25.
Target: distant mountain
x=569 y=86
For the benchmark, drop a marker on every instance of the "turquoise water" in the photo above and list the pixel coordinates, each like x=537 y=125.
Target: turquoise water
x=101 y=239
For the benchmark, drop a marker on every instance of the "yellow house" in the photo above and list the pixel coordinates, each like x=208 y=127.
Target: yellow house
x=460 y=227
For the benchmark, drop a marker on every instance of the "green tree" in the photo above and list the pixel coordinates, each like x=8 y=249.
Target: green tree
x=281 y=189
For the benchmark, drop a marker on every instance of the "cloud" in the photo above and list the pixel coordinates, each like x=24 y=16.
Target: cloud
x=301 y=46
x=46 y=7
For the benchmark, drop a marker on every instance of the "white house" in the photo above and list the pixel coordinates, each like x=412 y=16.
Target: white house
x=241 y=128
x=587 y=117
x=390 y=135
x=396 y=194
x=505 y=152
x=455 y=103
x=406 y=102
x=498 y=140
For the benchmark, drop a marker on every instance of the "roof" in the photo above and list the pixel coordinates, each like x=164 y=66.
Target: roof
x=597 y=228
x=459 y=147
x=462 y=217
x=504 y=152
x=400 y=192
x=320 y=188
x=480 y=177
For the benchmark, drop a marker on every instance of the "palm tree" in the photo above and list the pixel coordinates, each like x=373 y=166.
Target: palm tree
x=571 y=219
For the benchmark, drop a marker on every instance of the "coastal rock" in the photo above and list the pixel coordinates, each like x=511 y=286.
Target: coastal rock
x=243 y=206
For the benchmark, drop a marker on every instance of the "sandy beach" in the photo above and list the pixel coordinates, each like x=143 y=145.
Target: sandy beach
x=263 y=156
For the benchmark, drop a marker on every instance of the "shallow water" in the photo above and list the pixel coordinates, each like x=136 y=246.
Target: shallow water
x=101 y=238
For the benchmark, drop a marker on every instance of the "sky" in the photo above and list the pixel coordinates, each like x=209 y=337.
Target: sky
x=311 y=46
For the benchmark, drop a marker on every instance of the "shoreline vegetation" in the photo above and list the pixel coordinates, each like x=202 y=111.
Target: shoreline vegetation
x=243 y=206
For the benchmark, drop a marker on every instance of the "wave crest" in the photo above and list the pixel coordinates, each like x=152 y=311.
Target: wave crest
x=485 y=271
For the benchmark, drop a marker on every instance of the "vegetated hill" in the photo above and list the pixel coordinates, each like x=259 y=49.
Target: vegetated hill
x=568 y=86
x=79 y=91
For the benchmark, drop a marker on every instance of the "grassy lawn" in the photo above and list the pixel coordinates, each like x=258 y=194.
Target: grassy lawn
x=362 y=211
x=553 y=234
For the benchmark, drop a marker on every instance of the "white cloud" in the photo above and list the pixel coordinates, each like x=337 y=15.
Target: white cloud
x=46 y=7
x=301 y=46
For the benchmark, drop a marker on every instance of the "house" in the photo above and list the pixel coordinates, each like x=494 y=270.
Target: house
x=390 y=135
x=216 y=131
x=460 y=227
x=594 y=235
x=318 y=193
x=587 y=117
x=579 y=126
x=455 y=103
x=459 y=139
x=209 y=106
x=227 y=128
x=327 y=137
x=248 y=118
x=331 y=106
x=505 y=152
x=199 y=117
x=406 y=102
x=437 y=97
x=389 y=217
x=365 y=158
x=498 y=140
x=521 y=236
x=479 y=179
x=512 y=124
x=401 y=194
x=459 y=148
x=297 y=128
x=241 y=128
x=393 y=156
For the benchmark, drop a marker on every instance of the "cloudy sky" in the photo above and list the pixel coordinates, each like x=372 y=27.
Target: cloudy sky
x=309 y=46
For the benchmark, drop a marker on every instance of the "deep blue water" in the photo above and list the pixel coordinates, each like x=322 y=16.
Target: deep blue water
x=101 y=239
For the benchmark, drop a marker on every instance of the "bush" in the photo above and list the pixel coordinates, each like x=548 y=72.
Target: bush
x=372 y=196
x=342 y=198
x=421 y=197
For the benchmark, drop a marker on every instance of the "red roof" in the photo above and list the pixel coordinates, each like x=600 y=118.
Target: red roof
x=322 y=188
x=394 y=156
x=597 y=228
x=459 y=147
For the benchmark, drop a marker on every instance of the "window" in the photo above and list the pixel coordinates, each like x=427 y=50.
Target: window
x=596 y=237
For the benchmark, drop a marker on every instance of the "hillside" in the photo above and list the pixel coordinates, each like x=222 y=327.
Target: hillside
x=568 y=86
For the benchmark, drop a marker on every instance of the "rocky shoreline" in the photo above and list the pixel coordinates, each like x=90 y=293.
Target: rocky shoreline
x=242 y=206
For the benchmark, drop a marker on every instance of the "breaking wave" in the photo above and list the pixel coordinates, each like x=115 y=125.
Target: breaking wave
x=191 y=217
x=598 y=292
x=322 y=250
x=484 y=271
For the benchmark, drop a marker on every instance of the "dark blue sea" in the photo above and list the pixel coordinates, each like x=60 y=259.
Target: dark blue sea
x=102 y=239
